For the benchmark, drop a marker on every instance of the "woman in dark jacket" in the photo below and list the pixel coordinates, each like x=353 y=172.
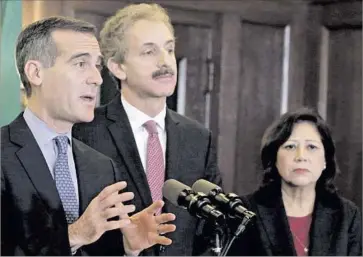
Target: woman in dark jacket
x=298 y=210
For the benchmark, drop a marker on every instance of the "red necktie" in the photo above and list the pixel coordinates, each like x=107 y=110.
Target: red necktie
x=155 y=170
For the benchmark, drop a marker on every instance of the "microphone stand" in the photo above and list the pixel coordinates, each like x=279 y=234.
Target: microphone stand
x=241 y=228
x=218 y=237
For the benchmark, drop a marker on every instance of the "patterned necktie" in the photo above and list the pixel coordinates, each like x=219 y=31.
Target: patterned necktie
x=155 y=170
x=63 y=181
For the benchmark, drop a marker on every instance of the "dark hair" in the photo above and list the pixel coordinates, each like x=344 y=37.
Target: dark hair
x=279 y=132
x=35 y=43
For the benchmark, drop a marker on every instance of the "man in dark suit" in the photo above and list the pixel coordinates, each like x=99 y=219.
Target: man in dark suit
x=138 y=44
x=58 y=195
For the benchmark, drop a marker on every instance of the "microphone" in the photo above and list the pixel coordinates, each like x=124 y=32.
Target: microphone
x=198 y=204
x=230 y=204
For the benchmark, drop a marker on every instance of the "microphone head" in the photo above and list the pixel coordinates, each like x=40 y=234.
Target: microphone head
x=172 y=189
x=204 y=186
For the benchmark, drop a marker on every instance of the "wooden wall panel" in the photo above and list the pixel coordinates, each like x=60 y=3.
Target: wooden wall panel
x=192 y=43
x=344 y=107
x=260 y=95
x=230 y=71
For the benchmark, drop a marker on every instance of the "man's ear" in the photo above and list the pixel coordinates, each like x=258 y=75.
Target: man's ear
x=34 y=72
x=118 y=70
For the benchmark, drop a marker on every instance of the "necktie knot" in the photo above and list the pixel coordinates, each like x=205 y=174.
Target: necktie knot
x=62 y=144
x=151 y=127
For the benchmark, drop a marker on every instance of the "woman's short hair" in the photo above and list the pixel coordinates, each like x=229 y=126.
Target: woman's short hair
x=279 y=132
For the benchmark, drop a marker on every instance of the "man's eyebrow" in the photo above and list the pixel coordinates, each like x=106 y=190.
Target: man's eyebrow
x=153 y=44
x=100 y=58
x=75 y=56
x=170 y=41
x=148 y=44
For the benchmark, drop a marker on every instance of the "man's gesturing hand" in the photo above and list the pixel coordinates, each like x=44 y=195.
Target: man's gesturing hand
x=146 y=229
x=96 y=219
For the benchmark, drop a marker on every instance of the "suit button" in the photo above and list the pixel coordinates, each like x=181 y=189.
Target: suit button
x=162 y=249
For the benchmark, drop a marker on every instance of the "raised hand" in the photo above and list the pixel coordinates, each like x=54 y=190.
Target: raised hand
x=146 y=229
x=95 y=220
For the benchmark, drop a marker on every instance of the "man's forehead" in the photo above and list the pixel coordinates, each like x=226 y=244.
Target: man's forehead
x=145 y=31
x=69 y=41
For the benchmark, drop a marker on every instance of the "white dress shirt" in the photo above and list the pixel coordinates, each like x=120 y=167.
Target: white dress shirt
x=137 y=120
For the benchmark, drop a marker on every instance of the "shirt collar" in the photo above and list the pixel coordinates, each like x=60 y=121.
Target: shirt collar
x=137 y=118
x=41 y=131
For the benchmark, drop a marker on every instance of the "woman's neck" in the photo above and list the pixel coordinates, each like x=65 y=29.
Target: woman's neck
x=298 y=201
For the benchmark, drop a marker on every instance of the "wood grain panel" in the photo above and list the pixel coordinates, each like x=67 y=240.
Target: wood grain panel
x=260 y=94
x=192 y=43
x=344 y=112
x=229 y=97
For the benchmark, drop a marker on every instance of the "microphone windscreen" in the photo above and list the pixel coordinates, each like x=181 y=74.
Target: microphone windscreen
x=203 y=186
x=172 y=189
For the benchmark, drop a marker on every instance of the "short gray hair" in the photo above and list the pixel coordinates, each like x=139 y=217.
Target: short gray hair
x=112 y=36
x=35 y=43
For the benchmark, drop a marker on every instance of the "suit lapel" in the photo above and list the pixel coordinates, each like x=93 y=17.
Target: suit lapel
x=125 y=143
x=85 y=175
x=275 y=225
x=322 y=228
x=34 y=163
x=174 y=137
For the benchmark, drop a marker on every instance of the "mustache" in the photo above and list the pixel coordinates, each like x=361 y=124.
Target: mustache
x=163 y=72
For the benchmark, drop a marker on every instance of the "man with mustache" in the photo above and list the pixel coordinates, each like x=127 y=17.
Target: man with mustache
x=58 y=195
x=148 y=141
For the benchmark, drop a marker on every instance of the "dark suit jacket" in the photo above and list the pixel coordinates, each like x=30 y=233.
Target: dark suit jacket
x=190 y=155
x=335 y=228
x=32 y=217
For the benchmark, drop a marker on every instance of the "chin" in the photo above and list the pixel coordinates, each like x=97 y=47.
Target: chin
x=166 y=93
x=163 y=89
x=300 y=182
x=86 y=118
x=159 y=94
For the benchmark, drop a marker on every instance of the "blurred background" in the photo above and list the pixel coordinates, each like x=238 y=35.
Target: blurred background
x=241 y=64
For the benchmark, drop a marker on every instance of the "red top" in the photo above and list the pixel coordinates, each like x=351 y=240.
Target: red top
x=300 y=227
